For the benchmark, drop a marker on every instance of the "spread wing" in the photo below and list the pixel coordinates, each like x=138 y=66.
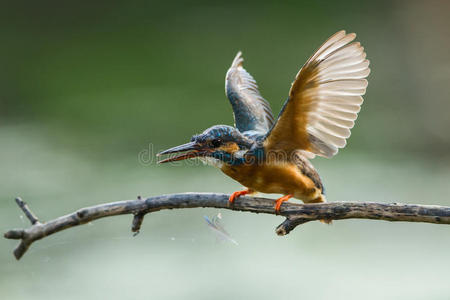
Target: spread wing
x=251 y=111
x=324 y=99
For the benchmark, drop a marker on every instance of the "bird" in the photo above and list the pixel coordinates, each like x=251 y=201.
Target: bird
x=271 y=155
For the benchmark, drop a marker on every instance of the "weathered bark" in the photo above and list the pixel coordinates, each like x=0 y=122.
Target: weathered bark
x=295 y=213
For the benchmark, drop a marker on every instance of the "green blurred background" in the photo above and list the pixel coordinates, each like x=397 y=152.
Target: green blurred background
x=87 y=86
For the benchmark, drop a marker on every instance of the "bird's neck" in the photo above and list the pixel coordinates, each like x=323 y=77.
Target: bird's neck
x=253 y=156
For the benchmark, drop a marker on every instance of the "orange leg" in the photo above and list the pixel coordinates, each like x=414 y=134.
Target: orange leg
x=238 y=194
x=280 y=201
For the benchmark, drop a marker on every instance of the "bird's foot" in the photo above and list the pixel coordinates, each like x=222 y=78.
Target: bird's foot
x=238 y=194
x=280 y=201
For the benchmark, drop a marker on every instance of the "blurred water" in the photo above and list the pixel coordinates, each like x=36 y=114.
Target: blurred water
x=86 y=86
x=176 y=256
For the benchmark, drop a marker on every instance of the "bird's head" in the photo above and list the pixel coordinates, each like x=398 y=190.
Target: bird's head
x=220 y=143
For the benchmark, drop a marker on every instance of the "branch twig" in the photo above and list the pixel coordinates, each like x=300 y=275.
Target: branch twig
x=295 y=213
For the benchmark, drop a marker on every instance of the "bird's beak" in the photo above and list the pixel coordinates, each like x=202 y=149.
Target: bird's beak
x=191 y=150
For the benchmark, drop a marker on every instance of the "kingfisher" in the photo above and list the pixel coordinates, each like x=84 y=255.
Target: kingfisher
x=273 y=156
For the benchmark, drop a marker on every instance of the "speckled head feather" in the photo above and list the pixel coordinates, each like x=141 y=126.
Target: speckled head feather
x=223 y=134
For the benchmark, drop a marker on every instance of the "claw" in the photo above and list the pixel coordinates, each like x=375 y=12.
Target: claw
x=237 y=194
x=280 y=201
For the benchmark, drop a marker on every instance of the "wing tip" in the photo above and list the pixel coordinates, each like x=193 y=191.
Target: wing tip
x=238 y=60
x=352 y=34
x=344 y=33
x=340 y=33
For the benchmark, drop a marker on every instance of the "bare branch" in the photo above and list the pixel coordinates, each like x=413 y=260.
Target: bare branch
x=27 y=211
x=137 y=221
x=295 y=213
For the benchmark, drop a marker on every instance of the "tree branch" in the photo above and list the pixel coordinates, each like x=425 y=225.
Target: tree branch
x=295 y=213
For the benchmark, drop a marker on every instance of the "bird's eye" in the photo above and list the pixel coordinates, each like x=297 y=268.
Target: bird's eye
x=216 y=143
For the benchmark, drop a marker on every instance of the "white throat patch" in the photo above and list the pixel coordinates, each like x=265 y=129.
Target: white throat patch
x=217 y=162
x=211 y=161
x=240 y=153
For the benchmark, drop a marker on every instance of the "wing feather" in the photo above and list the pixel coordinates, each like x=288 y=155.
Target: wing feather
x=324 y=100
x=251 y=111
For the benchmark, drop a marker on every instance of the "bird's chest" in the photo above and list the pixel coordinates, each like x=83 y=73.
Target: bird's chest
x=279 y=177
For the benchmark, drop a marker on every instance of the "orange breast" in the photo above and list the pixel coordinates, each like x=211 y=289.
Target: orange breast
x=277 y=177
